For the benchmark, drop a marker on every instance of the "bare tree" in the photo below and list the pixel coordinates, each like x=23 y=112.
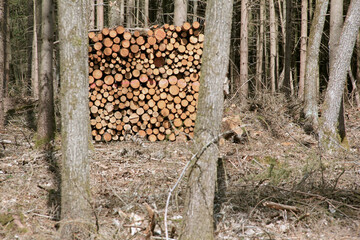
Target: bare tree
x=35 y=51
x=199 y=207
x=312 y=66
x=244 y=53
x=146 y=13
x=303 y=46
x=180 y=12
x=328 y=136
x=75 y=186
x=130 y=13
x=3 y=4
x=286 y=87
x=46 y=117
x=195 y=9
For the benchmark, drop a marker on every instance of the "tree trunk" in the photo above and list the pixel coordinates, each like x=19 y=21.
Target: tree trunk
x=3 y=33
x=358 y=62
x=100 y=14
x=29 y=40
x=46 y=117
x=244 y=53
x=130 y=13
x=35 y=51
x=92 y=14
x=114 y=13
x=336 y=23
x=273 y=42
x=286 y=87
x=146 y=13
x=195 y=9
x=75 y=186
x=260 y=48
x=312 y=67
x=199 y=206
x=303 y=46
x=328 y=136
x=180 y=12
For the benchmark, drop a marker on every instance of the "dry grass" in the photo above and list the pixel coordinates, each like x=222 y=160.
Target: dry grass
x=277 y=163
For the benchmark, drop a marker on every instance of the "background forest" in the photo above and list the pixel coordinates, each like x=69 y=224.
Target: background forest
x=286 y=165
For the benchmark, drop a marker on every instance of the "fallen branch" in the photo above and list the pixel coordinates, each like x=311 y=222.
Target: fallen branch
x=279 y=206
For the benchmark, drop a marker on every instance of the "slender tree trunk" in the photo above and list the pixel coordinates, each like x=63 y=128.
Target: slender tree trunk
x=286 y=87
x=29 y=39
x=244 y=53
x=303 y=46
x=180 y=12
x=75 y=185
x=100 y=14
x=3 y=33
x=130 y=13
x=312 y=67
x=354 y=93
x=260 y=48
x=358 y=61
x=92 y=14
x=273 y=42
x=35 y=51
x=328 y=136
x=146 y=13
x=46 y=117
x=122 y=12
x=195 y=9
x=199 y=206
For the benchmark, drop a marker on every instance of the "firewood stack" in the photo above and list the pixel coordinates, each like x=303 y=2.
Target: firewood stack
x=144 y=82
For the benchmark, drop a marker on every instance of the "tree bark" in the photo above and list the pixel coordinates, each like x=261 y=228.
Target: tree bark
x=92 y=14
x=46 y=117
x=303 y=47
x=75 y=186
x=100 y=14
x=3 y=33
x=180 y=12
x=312 y=67
x=114 y=13
x=244 y=53
x=199 y=206
x=35 y=51
x=195 y=9
x=260 y=47
x=146 y=13
x=273 y=42
x=328 y=136
x=286 y=87
x=130 y=13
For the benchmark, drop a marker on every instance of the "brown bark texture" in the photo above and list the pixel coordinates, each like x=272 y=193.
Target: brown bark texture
x=198 y=220
x=244 y=53
x=76 y=221
x=328 y=135
x=2 y=60
x=46 y=117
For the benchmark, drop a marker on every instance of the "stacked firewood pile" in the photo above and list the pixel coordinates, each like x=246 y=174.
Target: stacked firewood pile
x=144 y=82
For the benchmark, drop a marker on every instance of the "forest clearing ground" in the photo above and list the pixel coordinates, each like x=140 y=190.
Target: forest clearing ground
x=277 y=162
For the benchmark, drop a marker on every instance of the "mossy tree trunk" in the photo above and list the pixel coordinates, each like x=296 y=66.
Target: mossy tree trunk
x=75 y=186
x=328 y=134
x=312 y=66
x=198 y=220
x=46 y=117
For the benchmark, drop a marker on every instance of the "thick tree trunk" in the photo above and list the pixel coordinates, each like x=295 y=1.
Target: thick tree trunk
x=114 y=13
x=244 y=53
x=75 y=186
x=180 y=12
x=199 y=206
x=46 y=117
x=303 y=46
x=328 y=136
x=273 y=42
x=3 y=34
x=312 y=67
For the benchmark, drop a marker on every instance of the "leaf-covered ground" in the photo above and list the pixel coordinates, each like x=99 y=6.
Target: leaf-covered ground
x=275 y=162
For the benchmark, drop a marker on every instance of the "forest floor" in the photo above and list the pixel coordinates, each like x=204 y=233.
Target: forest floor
x=274 y=163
